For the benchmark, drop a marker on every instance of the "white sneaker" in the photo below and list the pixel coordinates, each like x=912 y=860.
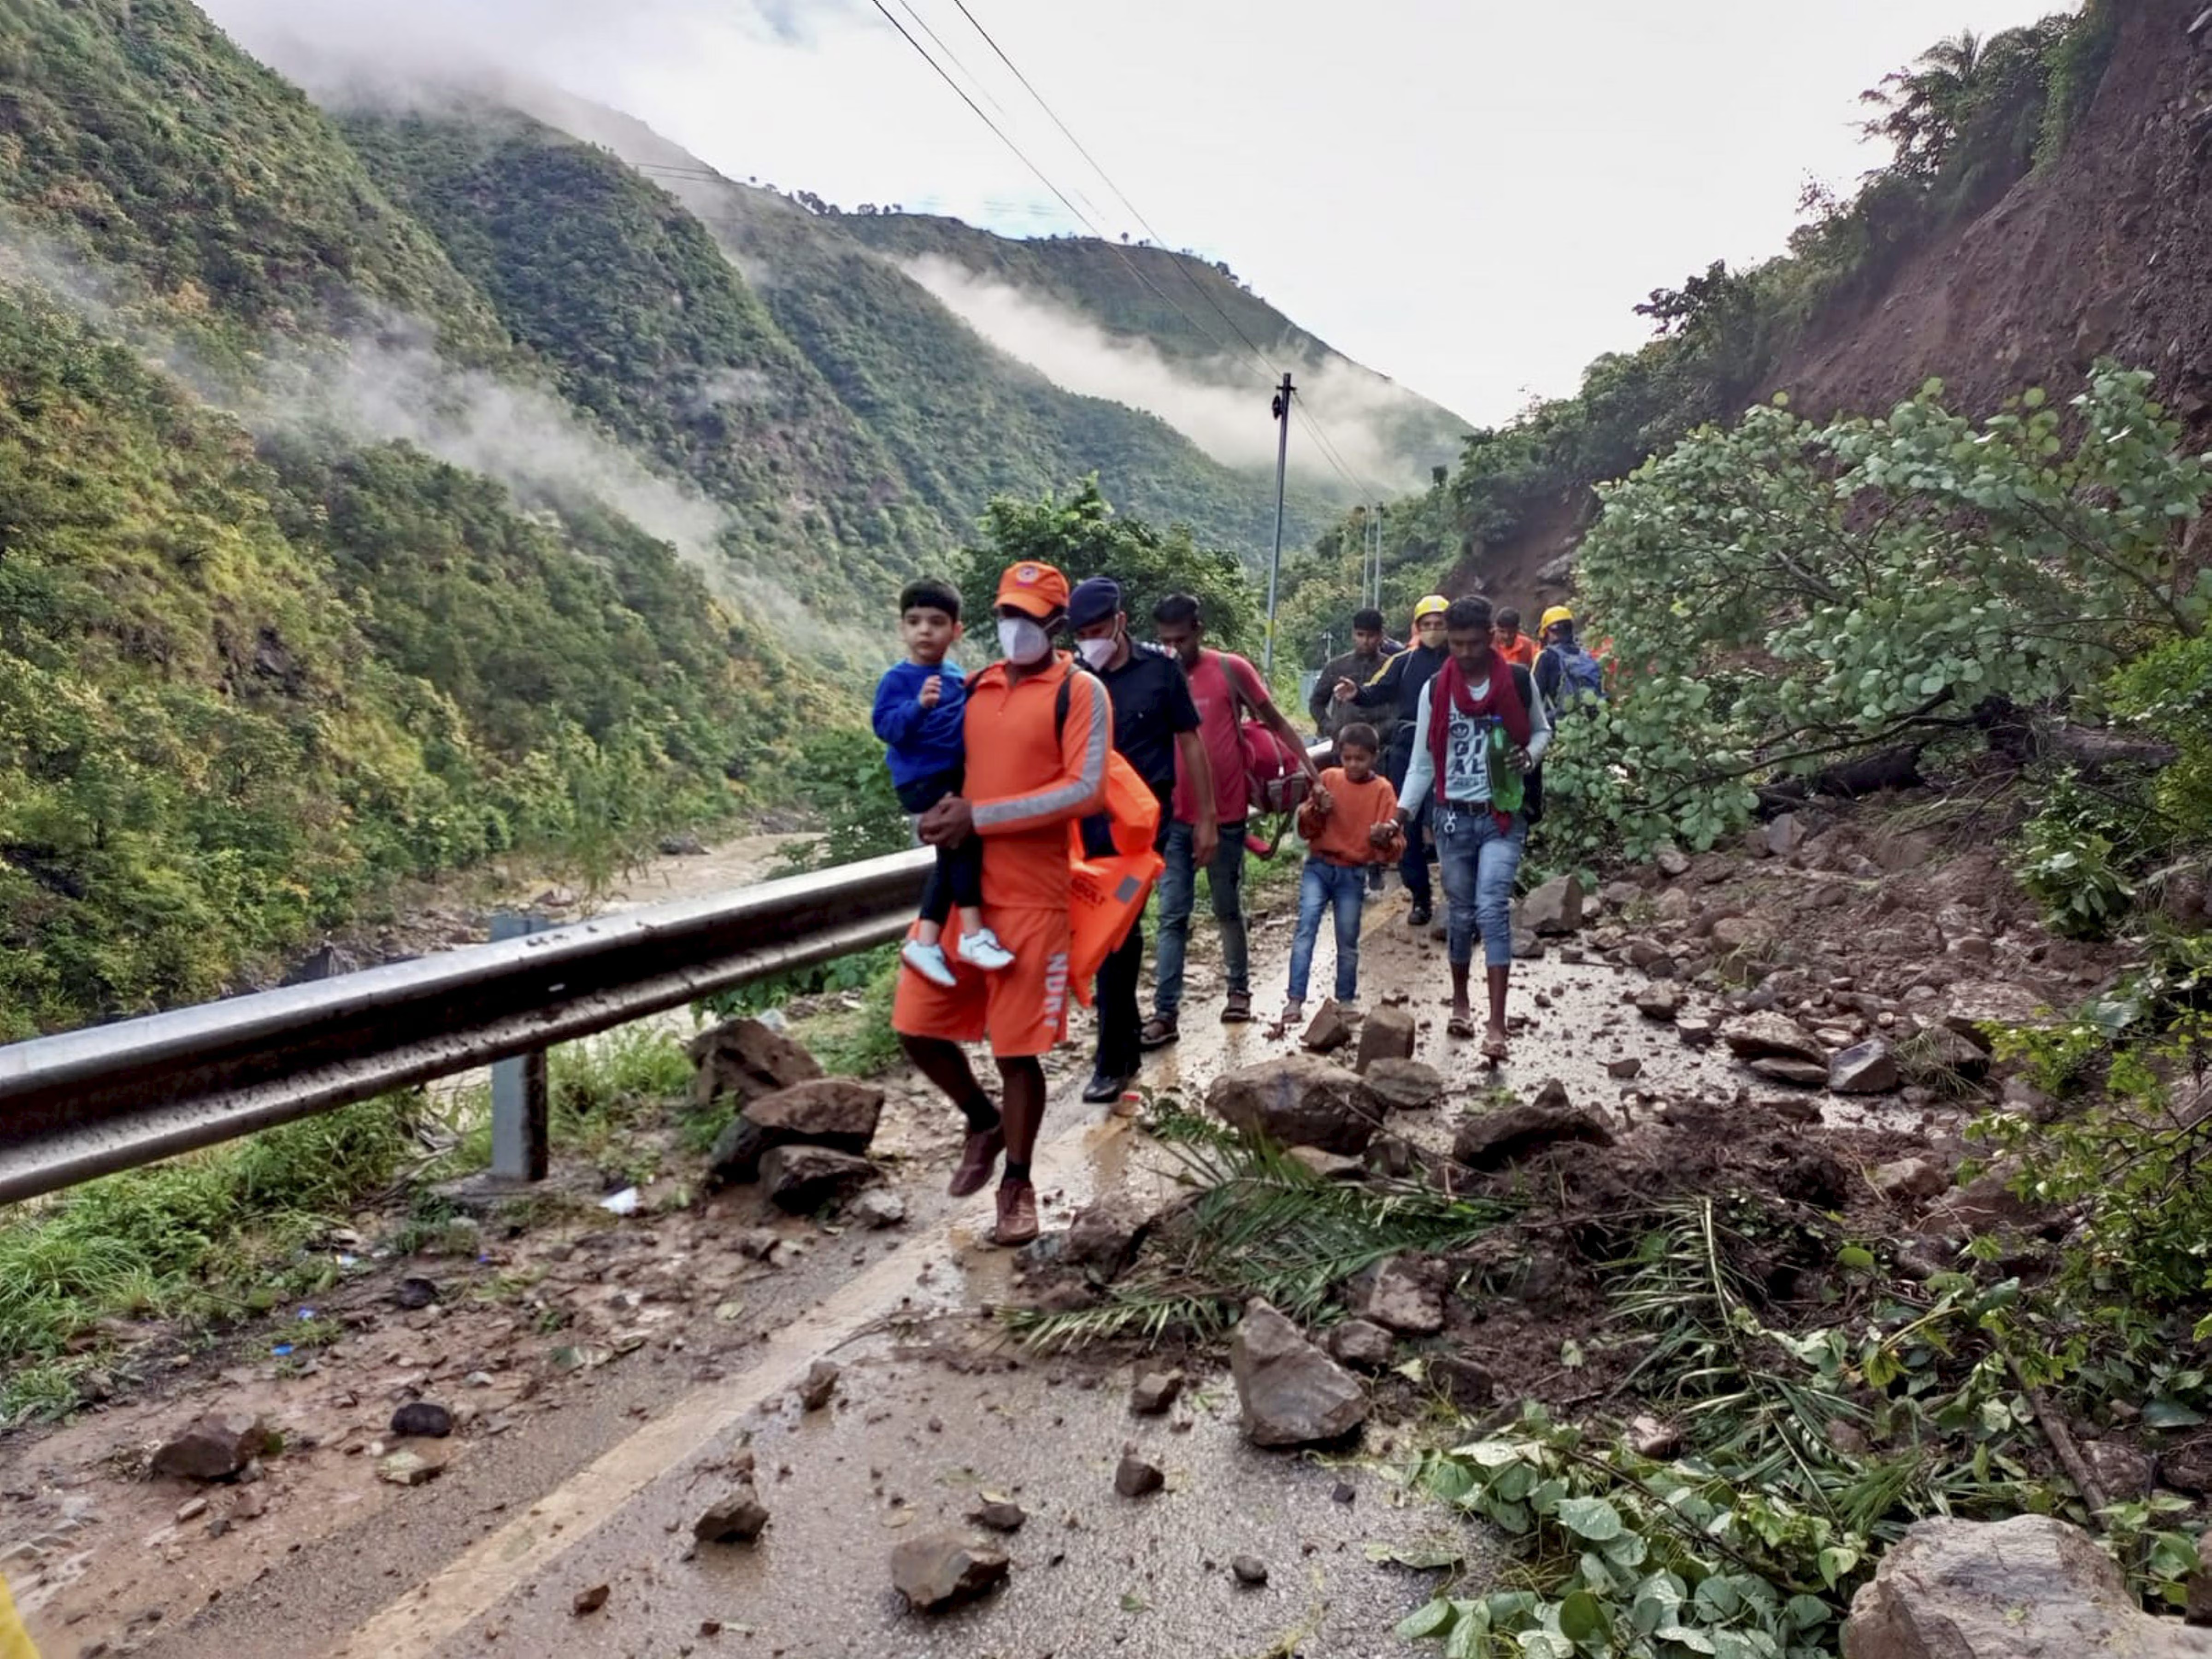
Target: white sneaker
x=982 y=948
x=928 y=960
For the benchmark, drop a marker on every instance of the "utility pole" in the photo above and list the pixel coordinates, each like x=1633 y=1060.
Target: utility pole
x=1283 y=394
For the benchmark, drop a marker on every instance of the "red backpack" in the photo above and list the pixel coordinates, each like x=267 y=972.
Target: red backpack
x=1274 y=773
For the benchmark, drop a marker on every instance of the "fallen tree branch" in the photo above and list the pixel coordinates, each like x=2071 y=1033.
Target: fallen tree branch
x=2062 y=1442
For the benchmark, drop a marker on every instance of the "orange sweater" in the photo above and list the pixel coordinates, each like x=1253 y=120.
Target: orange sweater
x=1341 y=837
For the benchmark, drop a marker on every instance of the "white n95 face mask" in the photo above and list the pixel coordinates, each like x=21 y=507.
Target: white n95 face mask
x=1022 y=641
x=1096 y=652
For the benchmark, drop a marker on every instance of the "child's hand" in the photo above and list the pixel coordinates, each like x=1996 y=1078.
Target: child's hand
x=931 y=690
x=1381 y=834
x=1323 y=802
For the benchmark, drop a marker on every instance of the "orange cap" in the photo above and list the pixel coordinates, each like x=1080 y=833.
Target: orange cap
x=1036 y=588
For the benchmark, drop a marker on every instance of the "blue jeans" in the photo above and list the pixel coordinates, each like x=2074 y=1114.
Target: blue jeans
x=1414 y=863
x=1480 y=861
x=1337 y=887
x=1178 y=892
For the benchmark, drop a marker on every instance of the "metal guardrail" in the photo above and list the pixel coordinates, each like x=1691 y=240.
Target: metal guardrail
x=108 y=1098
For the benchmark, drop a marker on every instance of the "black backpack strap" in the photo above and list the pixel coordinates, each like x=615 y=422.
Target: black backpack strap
x=1097 y=828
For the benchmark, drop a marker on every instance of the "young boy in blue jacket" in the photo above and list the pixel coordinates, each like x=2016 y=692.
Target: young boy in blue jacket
x=921 y=712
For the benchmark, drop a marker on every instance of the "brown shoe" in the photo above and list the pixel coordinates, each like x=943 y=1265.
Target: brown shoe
x=1017 y=1213
x=978 y=1158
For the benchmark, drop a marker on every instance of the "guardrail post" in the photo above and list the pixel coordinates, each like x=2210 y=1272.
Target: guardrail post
x=521 y=1106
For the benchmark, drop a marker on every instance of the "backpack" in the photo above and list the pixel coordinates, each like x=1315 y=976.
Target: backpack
x=1582 y=676
x=1275 y=778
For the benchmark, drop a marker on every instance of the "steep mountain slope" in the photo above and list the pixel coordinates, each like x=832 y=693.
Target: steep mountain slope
x=133 y=133
x=647 y=326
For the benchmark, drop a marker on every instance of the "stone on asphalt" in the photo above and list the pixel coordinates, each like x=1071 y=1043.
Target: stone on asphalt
x=802 y=1179
x=1404 y=1085
x=879 y=1208
x=1864 y=1068
x=1251 y=1571
x=1800 y=1073
x=1555 y=907
x=590 y=1601
x=1387 y=1033
x=943 y=1568
x=1155 y=1391
x=831 y=1111
x=1000 y=1515
x=1134 y=1478
x=1327 y=1030
x=1292 y=1394
x=407 y=1468
x=1660 y=1000
x=1300 y=1101
x=214 y=1446
x=1103 y=1238
x=736 y=1519
x=1771 y=1036
x=821 y=1383
x=425 y=1417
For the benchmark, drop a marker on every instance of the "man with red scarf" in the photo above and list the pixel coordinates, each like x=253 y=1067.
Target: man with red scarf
x=1480 y=731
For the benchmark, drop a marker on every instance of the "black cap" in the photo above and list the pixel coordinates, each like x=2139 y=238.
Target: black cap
x=1095 y=599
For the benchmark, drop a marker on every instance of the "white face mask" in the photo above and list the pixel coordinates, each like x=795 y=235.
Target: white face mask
x=1097 y=653
x=1021 y=641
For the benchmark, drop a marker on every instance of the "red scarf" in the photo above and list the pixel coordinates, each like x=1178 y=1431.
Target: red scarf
x=1502 y=701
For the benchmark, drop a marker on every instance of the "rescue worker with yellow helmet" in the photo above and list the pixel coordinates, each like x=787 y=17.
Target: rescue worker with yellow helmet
x=1565 y=673
x=1398 y=686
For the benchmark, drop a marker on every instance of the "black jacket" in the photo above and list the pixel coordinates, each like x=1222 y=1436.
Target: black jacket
x=1398 y=688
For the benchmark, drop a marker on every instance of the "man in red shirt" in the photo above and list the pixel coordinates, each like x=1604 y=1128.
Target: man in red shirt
x=1225 y=688
x=1029 y=773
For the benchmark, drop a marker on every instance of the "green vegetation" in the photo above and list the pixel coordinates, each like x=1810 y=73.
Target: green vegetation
x=1781 y=594
x=213 y=1234
x=240 y=697
x=136 y=138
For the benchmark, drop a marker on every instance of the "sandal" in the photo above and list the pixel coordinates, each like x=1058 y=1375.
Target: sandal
x=1237 y=1008
x=1493 y=1050
x=1158 y=1031
x=1459 y=1025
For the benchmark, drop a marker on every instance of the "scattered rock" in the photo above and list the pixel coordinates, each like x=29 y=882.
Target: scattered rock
x=736 y=1519
x=746 y=1060
x=1496 y=1140
x=250 y=1504
x=1330 y=1166
x=943 y=1568
x=1404 y=1085
x=802 y=1179
x=2003 y=1589
x=1104 y=1236
x=1675 y=905
x=1696 y=1029
x=2123 y=1471
x=1908 y=1178
x=1987 y=1204
x=1251 y=1571
x=1739 y=932
x=1622 y=1069
x=1660 y=1000
x=407 y=1468
x=1404 y=1297
x=1800 y=1073
x=1810 y=1174
x=1292 y=1394
x=831 y=1111
x=1648 y=1436
x=590 y=1601
x=1553 y=908
x=1864 y=1068
x=1673 y=862
x=1465 y=1381
x=1302 y=1101
x=1770 y=1035
x=1527 y=946
x=1937 y=1048
x=191 y=1509
x=877 y=1208
x=415 y=1294
x=1387 y=1033
x=214 y=1447
x=821 y=1383
x=682 y=847
x=1155 y=1392
x=423 y=1417
x=1362 y=1343
x=1136 y=1478
x=1784 y=836
x=1000 y=1515
x=1327 y=1030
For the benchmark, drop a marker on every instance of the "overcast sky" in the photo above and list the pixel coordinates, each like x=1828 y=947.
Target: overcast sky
x=1464 y=195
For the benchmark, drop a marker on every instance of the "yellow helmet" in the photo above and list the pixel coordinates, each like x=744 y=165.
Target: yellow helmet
x=1558 y=613
x=1434 y=605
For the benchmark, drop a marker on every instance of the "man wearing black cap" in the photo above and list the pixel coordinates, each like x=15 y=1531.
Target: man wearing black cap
x=1154 y=716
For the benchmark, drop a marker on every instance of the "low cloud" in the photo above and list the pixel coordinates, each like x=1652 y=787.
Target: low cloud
x=1218 y=403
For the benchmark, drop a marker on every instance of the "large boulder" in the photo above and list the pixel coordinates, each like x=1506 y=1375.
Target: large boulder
x=746 y=1060
x=1770 y=1035
x=1293 y=1394
x=1302 y=1101
x=1404 y=1086
x=1495 y=1139
x=2029 y=1588
x=1103 y=1238
x=942 y=1568
x=1553 y=908
x=802 y=1179
x=830 y=1111
x=214 y=1446
x=1864 y=1068
x=1387 y=1034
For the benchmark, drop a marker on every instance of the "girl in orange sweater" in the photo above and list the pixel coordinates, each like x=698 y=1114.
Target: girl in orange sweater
x=1349 y=823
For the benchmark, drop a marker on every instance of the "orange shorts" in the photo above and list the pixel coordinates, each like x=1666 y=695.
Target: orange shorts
x=1022 y=1009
